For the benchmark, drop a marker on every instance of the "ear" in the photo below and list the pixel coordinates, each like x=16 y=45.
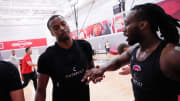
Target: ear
x=52 y=32
x=143 y=25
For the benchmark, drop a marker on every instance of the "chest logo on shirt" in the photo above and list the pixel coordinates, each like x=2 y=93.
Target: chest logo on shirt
x=137 y=68
x=74 y=69
x=75 y=73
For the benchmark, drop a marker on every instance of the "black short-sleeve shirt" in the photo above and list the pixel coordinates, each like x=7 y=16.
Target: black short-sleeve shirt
x=66 y=67
x=10 y=80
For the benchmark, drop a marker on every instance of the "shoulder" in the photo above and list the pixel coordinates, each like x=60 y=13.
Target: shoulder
x=131 y=49
x=169 y=61
x=170 y=51
x=26 y=56
x=83 y=42
x=7 y=66
x=48 y=53
x=4 y=63
x=126 y=55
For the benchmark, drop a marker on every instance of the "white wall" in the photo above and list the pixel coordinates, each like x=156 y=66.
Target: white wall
x=25 y=29
x=36 y=28
x=98 y=43
x=101 y=10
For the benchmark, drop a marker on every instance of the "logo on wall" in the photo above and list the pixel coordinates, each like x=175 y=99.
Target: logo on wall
x=118 y=23
x=21 y=44
x=9 y=45
x=1 y=46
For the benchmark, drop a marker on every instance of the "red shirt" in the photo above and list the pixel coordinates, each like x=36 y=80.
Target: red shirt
x=25 y=67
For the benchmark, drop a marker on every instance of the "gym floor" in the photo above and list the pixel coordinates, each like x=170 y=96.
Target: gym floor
x=113 y=87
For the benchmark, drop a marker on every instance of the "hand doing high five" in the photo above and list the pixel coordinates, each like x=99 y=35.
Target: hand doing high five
x=94 y=74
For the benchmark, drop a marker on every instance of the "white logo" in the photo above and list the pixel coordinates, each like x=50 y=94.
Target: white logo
x=1 y=46
x=74 y=73
x=74 y=69
x=138 y=83
x=21 y=44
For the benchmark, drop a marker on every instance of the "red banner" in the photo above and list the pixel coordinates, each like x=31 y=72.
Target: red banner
x=9 y=45
x=171 y=7
x=118 y=23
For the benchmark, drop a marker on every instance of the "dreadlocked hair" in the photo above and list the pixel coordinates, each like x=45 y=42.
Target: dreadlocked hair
x=159 y=21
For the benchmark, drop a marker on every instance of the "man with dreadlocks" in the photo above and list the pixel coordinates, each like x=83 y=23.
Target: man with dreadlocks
x=155 y=62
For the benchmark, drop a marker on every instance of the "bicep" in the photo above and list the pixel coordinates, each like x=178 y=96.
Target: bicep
x=14 y=81
x=89 y=53
x=44 y=65
x=170 y=64
x=124 y=58
x=17 y=95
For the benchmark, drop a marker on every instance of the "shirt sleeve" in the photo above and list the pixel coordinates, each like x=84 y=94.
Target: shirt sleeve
x=28 y=59
x=43 y=66
x=13 y=78
x=89 y=52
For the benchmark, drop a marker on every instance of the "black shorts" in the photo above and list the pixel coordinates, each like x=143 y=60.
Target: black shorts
x=32 y=75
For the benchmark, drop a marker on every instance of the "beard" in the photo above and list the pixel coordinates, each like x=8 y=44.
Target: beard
x=132 y=42
x=135 y=37
x=63 y=36
x=63 y=39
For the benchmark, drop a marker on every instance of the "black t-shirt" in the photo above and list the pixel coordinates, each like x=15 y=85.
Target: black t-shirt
x=10 y=80
x=149 y=83
x=66 y=67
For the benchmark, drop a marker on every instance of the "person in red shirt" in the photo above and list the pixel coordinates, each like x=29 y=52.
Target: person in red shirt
x=28 y=69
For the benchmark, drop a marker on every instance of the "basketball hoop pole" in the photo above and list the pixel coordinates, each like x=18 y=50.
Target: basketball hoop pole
x=122 y=3
x=76 y=18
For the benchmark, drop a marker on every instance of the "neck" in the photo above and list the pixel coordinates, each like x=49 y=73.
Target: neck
x=66 y=44
x=149 y=42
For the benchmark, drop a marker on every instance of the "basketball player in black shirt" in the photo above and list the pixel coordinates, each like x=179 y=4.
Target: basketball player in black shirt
x=65 y=63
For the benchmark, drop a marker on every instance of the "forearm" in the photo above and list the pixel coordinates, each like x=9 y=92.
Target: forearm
x=91 y=65
x=40 y=95
x=17 y=95
x=41 y=88
x=31 y=64
x=114 y=64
